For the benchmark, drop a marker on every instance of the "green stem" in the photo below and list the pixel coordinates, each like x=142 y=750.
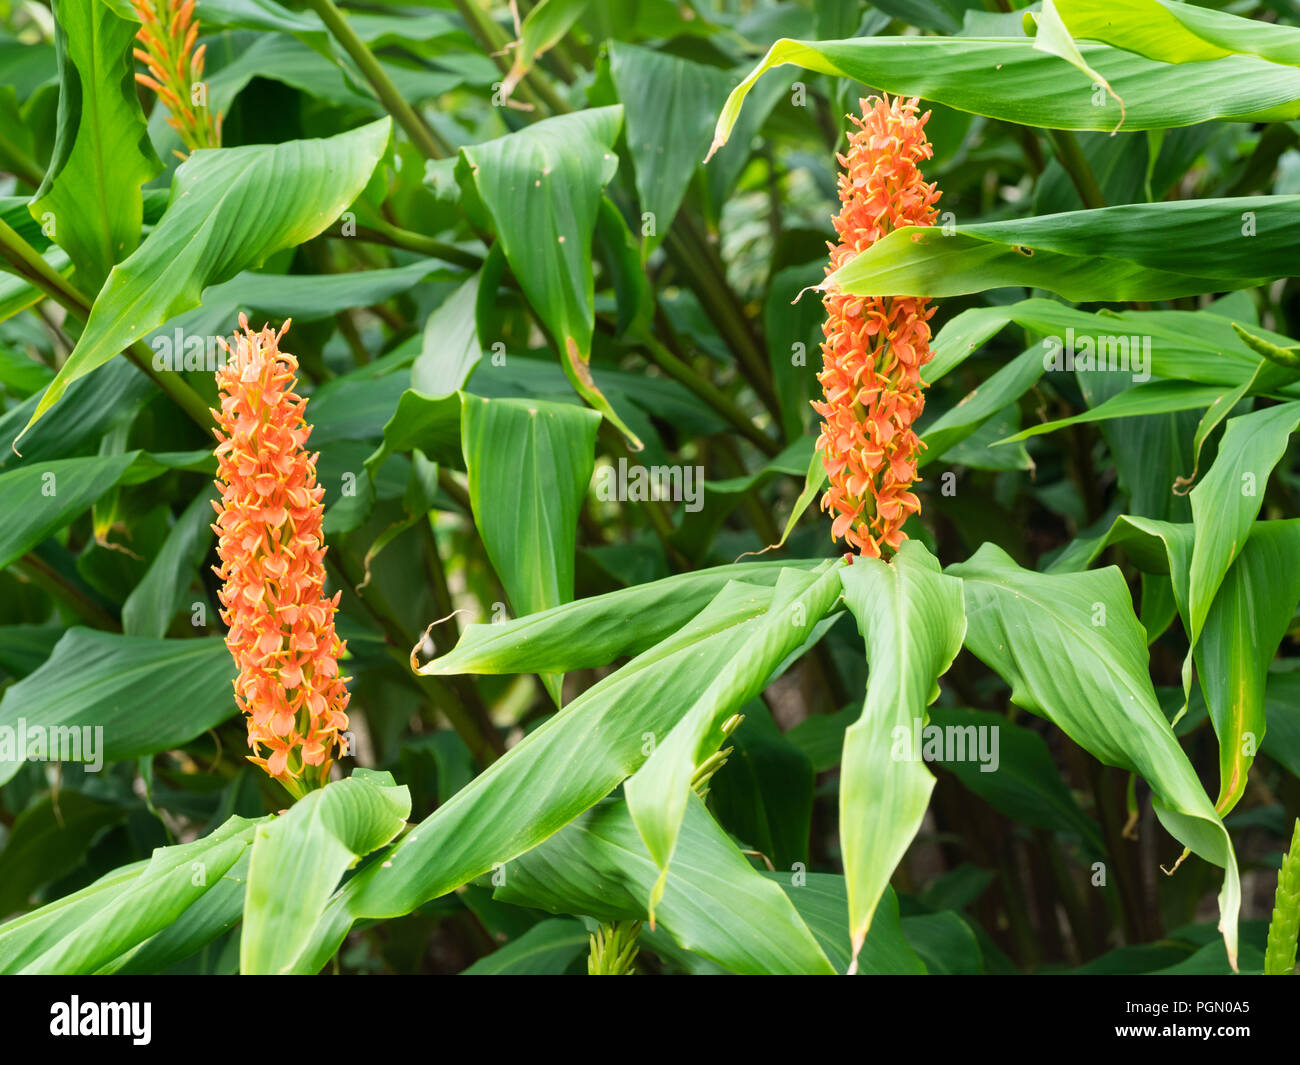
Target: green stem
x=495 y=41
x=408 y=240
x=697 y=263
x=710 y=393
x=19 y=163
x=49 y=580
x=422 y=136
x=480 y=736
x=1076 y=166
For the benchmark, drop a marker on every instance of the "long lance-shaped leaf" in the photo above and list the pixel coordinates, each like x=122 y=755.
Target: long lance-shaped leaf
x=1248 y=619
x=1012 y=80
x=87 y=931
x=297 y=860
x=1073 y=652
x=658 y=793
x=910 y=615
x=562 y=768
x=230 y=209
x=1178 y=33
x=1243 y=627
x=716 y=904
x=90 y=200
x=1186 y=345
x=1226 y=503
x=29 y=936
x=1147 y=251
x=542 y=187
x=593 y=632
x=1150 y=397
x=526 y=509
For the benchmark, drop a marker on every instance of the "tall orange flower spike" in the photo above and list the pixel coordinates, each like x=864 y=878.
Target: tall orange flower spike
x=167 y=34
x=272 y=562
x=875 y=346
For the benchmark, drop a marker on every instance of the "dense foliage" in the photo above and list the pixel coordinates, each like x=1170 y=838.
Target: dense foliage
x=583 y=679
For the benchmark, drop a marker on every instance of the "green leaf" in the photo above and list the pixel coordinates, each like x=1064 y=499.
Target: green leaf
x=1179 y=33
x=450 y=348
x=1073 y=652
x=1226 y=502
x=1186 y=345
x=911 y=617
x=974 y=409
x=823 y=903
x=526 y=508
x=1024 y=783
x=48 y=840
x=715 y=903
x=96 y=686
x=149 y=609
x=669 y=104
x=102 y=154
x=1053 y=38
x=542 y=186
x=1250 y=615
x=546 y=949
x=1011 y=80
x=1149 y=397
x=230 y=209
x=42 y=497
x=657 y=794
x=593 y=632
x=298 y=857
x=86 y=931
x=558 y=770
x=1145 y=251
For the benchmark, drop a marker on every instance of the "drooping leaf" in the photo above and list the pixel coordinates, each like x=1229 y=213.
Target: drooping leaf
x=149 y=609
x=593 y=632
x=910 y=615
x=86 y=931
x=542 y=187
x=526 y=509
x=1251 y=612
x=1179 y=33
x=1073 y=652
x=1129 y=252
x=598 y=866
x=90 y=200
x=1226 y=502
x=557 y=771
x=1012 y=80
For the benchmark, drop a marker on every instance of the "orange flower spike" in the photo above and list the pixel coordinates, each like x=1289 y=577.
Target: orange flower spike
x=875 y=346
x=272 y=555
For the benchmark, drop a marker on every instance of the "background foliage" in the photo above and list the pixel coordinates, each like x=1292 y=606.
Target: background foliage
x=509 y=272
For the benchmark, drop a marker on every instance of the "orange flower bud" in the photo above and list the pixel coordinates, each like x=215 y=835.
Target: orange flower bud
x=875 y=346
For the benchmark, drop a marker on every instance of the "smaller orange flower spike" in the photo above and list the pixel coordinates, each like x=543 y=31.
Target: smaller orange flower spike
x=272 y=562
x=875 y=346
x=167 y=34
